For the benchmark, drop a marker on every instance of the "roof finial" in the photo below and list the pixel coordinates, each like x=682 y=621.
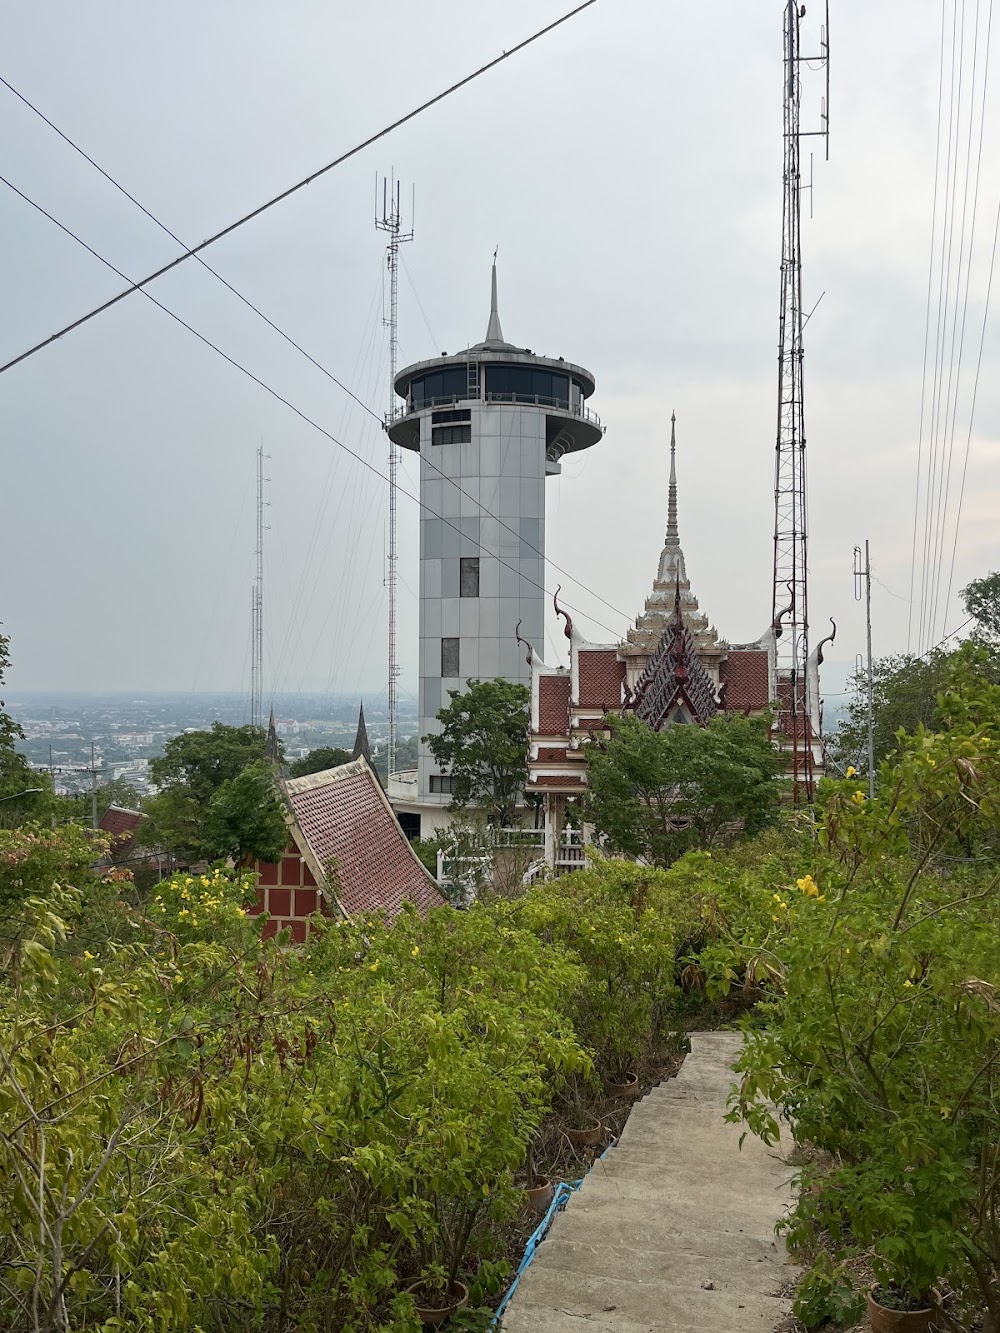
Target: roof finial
x=672 y=538
x=494 y=334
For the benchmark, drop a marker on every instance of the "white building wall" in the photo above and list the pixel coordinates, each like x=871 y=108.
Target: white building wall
x=502 y=472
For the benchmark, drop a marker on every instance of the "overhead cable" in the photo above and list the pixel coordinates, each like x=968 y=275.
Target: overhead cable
x=228 y=230
x=310 y=421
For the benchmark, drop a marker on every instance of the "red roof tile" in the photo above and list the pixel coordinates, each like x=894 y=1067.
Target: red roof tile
x=601 y=677
x=344 y=821
x=553 y=705
x=745 y=676
x=119 y=822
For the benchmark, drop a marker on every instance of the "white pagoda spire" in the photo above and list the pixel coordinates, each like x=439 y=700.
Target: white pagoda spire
x=494 y=333
x=672 y=537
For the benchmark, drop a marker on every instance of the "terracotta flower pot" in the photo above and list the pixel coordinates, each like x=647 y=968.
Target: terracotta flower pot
x=540 y=1196
x=431 y=1316
x=883 y=1320
x=625 y=1091
x=585 y=1138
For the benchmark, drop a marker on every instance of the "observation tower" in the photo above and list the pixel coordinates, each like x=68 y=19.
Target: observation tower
x=490 y=424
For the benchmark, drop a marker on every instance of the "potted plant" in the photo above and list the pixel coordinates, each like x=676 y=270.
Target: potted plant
x=437 y=1296
x=891 y=1310
x=540 y=1190
x=627 y=1089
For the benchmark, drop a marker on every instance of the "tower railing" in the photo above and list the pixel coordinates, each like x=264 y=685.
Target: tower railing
x=530 y=399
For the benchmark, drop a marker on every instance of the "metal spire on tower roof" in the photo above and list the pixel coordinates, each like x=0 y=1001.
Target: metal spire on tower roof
x=672 y=538
x=494 y=333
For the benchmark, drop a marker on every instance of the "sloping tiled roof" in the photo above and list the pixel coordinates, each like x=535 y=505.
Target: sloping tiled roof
x=553 y=705
x=745 y=677
x=601 y=676
x=344 y=824
x=119 y=822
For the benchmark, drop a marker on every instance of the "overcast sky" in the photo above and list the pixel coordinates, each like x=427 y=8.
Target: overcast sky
x=629 y=168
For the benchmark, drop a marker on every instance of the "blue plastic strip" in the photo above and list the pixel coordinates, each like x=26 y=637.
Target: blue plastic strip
x=562 y=1196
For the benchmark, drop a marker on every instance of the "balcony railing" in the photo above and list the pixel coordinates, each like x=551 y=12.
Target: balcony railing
x=580 y=410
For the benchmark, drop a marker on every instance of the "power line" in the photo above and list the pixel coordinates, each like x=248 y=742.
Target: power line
x=293 y=189
x=285 y=335
x=310 y=421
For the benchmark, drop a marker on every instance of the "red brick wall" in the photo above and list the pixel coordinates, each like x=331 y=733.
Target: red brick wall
x=288 y=893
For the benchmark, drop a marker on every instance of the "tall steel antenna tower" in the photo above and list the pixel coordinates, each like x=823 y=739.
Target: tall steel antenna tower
x=390 y=220
x=790 y=601
x=257 y=606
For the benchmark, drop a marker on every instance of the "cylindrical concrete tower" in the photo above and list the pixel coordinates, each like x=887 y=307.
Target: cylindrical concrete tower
x=490 y=424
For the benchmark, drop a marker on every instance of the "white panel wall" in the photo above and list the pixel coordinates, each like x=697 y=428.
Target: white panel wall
x=500 y=519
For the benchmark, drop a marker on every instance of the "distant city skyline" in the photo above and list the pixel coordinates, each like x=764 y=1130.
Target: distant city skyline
x=629 y=166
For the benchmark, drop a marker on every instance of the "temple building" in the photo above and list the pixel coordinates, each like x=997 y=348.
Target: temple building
x=672 y=668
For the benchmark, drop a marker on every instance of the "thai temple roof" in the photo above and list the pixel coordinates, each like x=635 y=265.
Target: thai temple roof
x=671 y=574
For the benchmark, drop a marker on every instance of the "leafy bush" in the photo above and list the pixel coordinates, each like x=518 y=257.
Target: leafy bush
x=885 y=1046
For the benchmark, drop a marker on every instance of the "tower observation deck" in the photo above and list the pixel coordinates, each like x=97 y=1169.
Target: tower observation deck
x=490 y=424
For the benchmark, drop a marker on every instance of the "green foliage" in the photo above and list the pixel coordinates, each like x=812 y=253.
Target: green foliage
x=201 y=761
x=483 y=744
x=657 y=794
x=33 y=860
x=623 y=922
x=235 y=1136
x=191 y=770
x=246 y=817
x=982 y=602
x=884 y=1047
x=16 y=774
x=319 y=760
x=827 y=1293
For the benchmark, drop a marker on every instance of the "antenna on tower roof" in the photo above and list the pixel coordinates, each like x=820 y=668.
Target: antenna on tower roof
x=494 y=333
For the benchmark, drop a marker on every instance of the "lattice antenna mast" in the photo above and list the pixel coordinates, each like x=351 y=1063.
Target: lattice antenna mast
x=790 y=601
x=257 y=604
x=391 y=221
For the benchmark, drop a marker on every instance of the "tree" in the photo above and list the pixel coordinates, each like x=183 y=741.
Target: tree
x=202 y=761
x=982 y=601
x=658 y=794
x=246 y=818
x=483 y=745
x=16 y=774
x=319 y=760
x=906 y=688
x=192 y=768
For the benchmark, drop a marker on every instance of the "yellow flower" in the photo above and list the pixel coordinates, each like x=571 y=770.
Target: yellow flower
x=858 y=798
x=414 y=951
x=87 y=953
x=373 y=967
x=808 y=886
x=907 y=982
x=773 y=917
x=851 y=770
x=776 y=897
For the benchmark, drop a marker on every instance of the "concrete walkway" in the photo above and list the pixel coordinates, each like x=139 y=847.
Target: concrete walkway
x=675 y=1228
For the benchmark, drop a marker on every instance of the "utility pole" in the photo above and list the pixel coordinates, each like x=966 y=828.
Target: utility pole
x=790 y=601
x=257 y=605
x=864 y=572
x=390 y=221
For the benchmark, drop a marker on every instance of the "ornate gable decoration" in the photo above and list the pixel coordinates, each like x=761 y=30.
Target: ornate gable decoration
x=675 y=685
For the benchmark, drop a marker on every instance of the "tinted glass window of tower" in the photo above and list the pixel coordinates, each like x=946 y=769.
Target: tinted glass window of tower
x=525 y=384
x=468 y=576
x=449 y=657
x=439 y=386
